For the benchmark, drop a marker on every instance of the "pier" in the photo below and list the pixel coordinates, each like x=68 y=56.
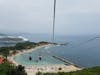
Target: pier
x=67 y=61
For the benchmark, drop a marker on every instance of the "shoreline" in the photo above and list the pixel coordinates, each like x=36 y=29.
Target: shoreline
x=51 y=69
x=11 y=58
x=32 y=70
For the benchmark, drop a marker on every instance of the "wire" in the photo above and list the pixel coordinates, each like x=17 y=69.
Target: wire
x=90 y=40
x=85 y=42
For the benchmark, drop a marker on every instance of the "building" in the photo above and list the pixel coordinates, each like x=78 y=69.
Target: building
x=1 y=60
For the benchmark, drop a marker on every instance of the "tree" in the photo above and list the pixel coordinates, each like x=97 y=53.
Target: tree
x=4 y=51
x=19 y=70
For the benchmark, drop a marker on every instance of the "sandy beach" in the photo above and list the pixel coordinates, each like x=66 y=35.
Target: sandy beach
x=50 y=68
x=11 y=58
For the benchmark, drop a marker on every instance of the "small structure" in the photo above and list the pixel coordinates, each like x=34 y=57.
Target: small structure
x=30 y=58
x=40 y=57
x=1 y=60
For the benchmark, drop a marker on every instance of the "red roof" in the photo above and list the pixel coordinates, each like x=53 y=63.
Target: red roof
x=1 y=60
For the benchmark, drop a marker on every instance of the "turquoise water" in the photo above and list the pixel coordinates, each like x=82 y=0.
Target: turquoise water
x=46 y=55
x=79 y=51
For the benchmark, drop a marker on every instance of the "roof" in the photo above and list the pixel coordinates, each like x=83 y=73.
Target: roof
x=1 y=60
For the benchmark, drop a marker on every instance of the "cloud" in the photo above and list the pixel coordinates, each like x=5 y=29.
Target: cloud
x=36 y=16
x=78 y=6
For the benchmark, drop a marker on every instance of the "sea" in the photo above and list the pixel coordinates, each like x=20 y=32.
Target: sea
x=83 y=50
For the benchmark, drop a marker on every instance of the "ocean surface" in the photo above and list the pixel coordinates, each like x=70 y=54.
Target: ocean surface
x=81 y=50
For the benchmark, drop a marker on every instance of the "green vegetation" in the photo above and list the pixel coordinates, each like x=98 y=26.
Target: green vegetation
x=89 y=71
x=26 y=45
x=9 y=69
x=4 y=67
x=5 y=51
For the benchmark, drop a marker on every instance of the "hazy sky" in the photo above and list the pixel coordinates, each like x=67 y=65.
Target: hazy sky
x=35 y=16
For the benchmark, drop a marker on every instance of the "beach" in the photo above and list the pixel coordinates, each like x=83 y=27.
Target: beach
x=51 y=69
x=11 y=58
x=44 y=69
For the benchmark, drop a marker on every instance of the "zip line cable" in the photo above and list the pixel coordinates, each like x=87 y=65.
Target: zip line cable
x=54 y=13
x=90 y=40
x=86 y=42
x=53 y=35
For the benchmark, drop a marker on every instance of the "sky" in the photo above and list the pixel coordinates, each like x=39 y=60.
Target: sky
x=73 y=17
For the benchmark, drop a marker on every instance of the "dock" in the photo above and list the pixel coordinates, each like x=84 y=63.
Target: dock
x=67 y=61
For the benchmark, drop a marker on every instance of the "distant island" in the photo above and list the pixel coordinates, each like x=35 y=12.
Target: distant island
x=9 y=40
